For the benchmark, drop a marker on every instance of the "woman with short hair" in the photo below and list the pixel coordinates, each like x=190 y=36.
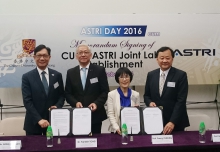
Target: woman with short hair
x=123 y=96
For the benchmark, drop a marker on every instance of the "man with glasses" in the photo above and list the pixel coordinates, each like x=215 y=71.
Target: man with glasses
x=42 y=90
x=87 y=86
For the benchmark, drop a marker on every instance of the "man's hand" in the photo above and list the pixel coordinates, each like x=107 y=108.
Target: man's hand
x=93 y=106
x=79 y=105
x=168 y=128
x=152 y=104
x=43 y=123
x=52 y=107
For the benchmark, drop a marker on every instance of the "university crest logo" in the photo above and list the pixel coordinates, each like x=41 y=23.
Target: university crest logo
x=28 y=46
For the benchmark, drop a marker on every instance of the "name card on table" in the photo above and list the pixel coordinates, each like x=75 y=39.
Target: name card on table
x=216 y=137
x=162 y=139
x=10 y=144
x=86 y=142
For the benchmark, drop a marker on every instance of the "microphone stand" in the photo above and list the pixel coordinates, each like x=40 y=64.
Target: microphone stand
x=1 y=106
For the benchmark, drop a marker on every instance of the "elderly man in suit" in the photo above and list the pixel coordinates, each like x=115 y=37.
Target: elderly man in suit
x=42 y=90
x=168 y=87
x=87 y=86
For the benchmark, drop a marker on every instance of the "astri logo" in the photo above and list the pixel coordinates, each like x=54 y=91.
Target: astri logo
x=114 y=31
x=195 y=52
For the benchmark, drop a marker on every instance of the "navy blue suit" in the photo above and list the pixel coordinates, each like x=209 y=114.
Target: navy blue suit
x=173 y=99
x=35 y=99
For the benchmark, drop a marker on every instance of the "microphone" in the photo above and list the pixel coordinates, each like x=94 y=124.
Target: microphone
x=1 y=105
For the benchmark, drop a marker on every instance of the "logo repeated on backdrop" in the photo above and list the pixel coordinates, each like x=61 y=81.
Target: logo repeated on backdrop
x=195 y=52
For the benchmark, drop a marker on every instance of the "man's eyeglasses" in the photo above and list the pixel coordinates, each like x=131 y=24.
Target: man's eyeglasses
x=44 y=56
x=81 y=53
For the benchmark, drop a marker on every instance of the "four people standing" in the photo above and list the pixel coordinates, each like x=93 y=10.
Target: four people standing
x=87 y=86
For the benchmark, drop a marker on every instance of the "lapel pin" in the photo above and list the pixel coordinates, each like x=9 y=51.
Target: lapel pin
x=52 y=74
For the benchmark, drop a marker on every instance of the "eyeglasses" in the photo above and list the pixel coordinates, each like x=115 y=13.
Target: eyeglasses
x=124 y=77
x=44 y=56
x=81 y=53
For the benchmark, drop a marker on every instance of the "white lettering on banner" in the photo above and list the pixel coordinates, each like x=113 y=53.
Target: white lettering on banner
x=132 y=31
x=112 y=31
x=115 y=41
x=89 y=31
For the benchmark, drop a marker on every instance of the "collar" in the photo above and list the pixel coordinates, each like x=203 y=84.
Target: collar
x=165 y=72
x=87 y=67
x=40 y=71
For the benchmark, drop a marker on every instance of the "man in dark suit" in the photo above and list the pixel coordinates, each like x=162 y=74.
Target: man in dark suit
x=42 y=90
x=168 y=87
x=87 y=86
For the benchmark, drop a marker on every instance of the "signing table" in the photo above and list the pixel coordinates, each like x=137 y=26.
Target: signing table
x=183 y=141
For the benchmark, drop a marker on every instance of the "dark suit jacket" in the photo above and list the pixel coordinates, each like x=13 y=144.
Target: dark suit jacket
x=173 y=99
x=35 y=99
x=94 y=92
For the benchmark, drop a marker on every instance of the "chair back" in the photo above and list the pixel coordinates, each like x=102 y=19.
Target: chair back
x=12 y=126
x=195 y=121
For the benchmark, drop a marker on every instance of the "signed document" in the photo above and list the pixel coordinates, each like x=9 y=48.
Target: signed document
x=153 y=121
x=60 y=119
x=82 y=121
x=131 y=116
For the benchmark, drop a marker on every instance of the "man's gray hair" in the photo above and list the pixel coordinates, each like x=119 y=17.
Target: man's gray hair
x=83 y=45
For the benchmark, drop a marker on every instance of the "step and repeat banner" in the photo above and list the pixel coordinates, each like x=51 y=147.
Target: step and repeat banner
x=115 y=40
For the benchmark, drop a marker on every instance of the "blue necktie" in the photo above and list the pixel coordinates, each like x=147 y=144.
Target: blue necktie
x=44 y=81
x=83 y=77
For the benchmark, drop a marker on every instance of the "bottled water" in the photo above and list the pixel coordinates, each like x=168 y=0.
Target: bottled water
x=124 y=135
x=49 y=141
x=49 y=135
x=202 y=131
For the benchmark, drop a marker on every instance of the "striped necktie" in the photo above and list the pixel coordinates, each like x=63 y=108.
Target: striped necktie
x=162 y=81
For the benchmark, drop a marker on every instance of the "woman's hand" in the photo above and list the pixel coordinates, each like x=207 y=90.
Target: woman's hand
x=118 y=131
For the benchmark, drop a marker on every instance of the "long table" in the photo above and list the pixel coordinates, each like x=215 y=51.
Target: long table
x=183 y=141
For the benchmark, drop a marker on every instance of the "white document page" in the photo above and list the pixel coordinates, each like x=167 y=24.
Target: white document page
x=131 y=116
x=81 y=121
x=60 y=119
x=153 y=121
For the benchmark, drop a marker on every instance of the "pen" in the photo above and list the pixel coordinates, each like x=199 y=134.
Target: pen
x=58 y=140
x=131 y=137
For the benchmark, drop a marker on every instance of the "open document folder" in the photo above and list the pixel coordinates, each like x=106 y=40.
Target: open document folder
x=73 y=121
x=131 y=117
x=140 y=120
x=153 y=120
